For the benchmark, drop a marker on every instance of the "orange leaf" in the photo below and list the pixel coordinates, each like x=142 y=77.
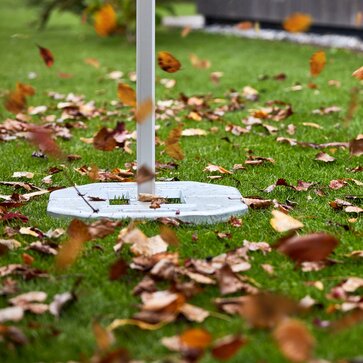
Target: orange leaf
x=92 y=62
x=173 y=148
x=47 y=56
x=78 y=234
x=358 y=74
x=105 y=20
x=195 y=338
x=144 y=110
x=317 y=63
x=297 y=22
x=126 y=94
x=168 y=62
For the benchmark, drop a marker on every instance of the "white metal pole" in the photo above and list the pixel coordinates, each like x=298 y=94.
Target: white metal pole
x=145 y=58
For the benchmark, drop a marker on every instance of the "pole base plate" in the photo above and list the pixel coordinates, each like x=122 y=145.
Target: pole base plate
x=192 y=202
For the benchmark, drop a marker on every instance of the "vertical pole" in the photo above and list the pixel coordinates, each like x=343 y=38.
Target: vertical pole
x=145 y=58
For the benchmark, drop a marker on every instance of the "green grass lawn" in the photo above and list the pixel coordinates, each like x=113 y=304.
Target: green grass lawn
x=242 y=62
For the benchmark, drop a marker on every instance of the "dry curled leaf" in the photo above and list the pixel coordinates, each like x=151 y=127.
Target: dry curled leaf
x=297 y=22
x=168 y=62
x=317 y=63
x=294 y=340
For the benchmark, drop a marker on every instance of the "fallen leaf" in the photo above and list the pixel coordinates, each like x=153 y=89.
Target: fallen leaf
x=199 y=63
x=104 y=338
x=195 y=338
x=294 y=340
x=356 y=146
x=16 y=100
x=317 y=63
x=282 y=222
x=326 y=158
x=168 y=62
x=92 y=62
x=60 y=301
x=227 y=347
x=46 y=55
x=14 y=313
x=104 y=140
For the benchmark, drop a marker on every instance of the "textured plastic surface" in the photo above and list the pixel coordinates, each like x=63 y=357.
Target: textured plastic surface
x=201 y=203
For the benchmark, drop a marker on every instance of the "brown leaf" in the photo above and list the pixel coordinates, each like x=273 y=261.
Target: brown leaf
x=144 y=110
x=105 y=20
x=317 y=63
x=117 y=269
x=169 y=236
x=282 y=222
x=144 y=174
x=294 y=340
x=227 y=347
x=78 y=234
x=42 y=138
x=126 y=94
x=92 y=62
x=199 y=63
x=310 y=247
x=216 y=168
x=168 y=62
x=257 y=202
x=356 y=147
x=12 y=334
x=16 y=101
x=172 y=146
x=297 y=22
x=46 y=55
x=104 y=140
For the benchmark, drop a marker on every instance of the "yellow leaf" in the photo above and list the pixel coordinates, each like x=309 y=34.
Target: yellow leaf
x=282 y=222
x=297 y=22
x=358 y=74
x=126 y=94
x=168 y=62
x=317 y=63
x=105 y=20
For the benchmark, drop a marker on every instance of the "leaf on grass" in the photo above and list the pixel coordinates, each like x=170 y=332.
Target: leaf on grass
x=46 y=55
x=227 y=347
x=117 y=323
x=216 y=168
x=326 y=158
x=104 y=140
x=310 y=247
x=13 y=335
x=60 y=301
x=169 y=236
x=13 y=313
x=16 y=100
x=144 y=110
x=105 y=20
x=297 y=22
x=78 y=234
x=257 y=202
x=92 y=62
x=168 y=62
x=294 y=340
x=282 y=222
x=195 y=338
x=317 y=63
x=126 y=94
x=172 y=146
